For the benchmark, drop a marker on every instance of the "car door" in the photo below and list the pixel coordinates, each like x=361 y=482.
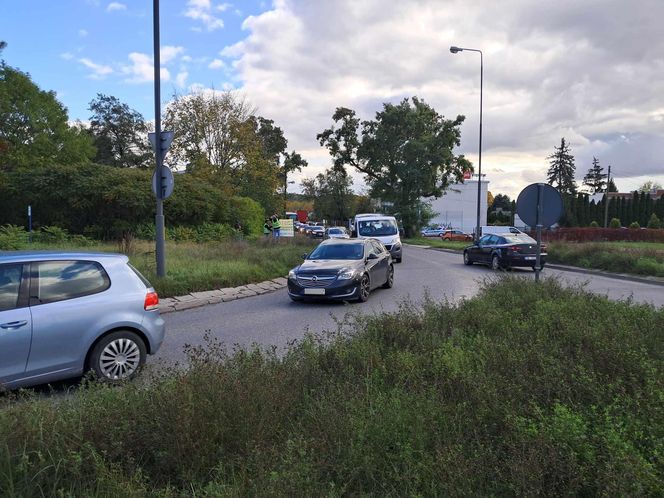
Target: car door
x=476 y=249
x=15 y=321
x=66 y=301
x=488 y=248
x=383 y=265
x=373 y=264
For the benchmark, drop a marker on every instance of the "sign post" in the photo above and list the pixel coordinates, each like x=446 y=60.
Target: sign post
x=29 y=224
x=539 y=205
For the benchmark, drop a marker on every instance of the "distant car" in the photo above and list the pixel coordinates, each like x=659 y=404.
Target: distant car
x=431 y=232
x=456 y=235
x=342 y=269
x=63 y=313
x=303 y=228
x=504 y=251
x=498 y=230
x=317 y=232
x=336 y=233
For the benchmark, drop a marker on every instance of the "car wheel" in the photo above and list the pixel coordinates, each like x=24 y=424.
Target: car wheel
x=118 y=356
x=389 y=283
x=364 y=289
x=495 y=262
x=466 y=258
x=397 y=260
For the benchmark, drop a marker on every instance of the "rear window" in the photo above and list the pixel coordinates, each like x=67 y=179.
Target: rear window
x=60 y=280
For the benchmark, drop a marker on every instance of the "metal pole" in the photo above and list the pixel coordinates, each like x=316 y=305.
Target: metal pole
x=29 y=224
x=606 y=199
x=538 y=225
x=159 y=218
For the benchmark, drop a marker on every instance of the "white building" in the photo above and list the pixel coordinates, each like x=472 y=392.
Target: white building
x=457 y=208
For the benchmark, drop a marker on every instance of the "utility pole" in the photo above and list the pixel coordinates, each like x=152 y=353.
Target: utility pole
x=159 y=154
x=606 y=199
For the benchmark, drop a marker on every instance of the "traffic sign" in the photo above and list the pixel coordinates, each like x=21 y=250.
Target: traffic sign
x=166 y=139
x=167 y=182
x=544 y=197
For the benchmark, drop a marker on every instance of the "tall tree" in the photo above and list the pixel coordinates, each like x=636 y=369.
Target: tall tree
x=292 y=162
x=612 y=186
x=405 y=153
x=650 y=186
x=119 y=133
x=561 y=169
x=595 y=179
x=332 y=193
x=34 y=127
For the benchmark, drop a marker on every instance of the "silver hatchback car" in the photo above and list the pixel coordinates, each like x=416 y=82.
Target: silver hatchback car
x=62 y=314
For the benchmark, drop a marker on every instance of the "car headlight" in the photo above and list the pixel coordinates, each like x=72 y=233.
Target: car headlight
x=397 y=246
x=291 y=274
x=346 y=274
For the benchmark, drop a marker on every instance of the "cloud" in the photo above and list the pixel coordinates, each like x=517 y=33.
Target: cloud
x=67 y=56
x=217 y=64
x=169 y=53
x=82 y=33
x=181 y=79
x=141 y=69
x=115 y=6
x=566 y=68
x=202 y=10
x=99 y=71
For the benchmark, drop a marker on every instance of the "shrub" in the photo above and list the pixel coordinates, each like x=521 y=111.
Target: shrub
x=52 y=234
x=615 y=223
x=145 y=231
x=12 y=237
x=654 y=222
x=249 y=213
x=634 y=224
x=594 y=224
x=213 y=232
x=181 y=234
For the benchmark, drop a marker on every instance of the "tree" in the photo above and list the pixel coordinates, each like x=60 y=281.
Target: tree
x=654 y=222
x=332 y=193
x=595 y=179
x=612 y=186
x=405 y=153
x=34 y=128
x=292 y=162
x=649 y=186
x=119 y=133
x=561 y=169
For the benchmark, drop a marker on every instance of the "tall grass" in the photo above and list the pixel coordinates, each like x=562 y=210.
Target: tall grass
x=524 y=390
x=438 y=242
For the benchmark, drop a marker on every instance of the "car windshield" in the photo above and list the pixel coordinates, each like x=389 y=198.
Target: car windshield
x=335 y=231
x=317 y=229
x=338 y=251
x=377 y=228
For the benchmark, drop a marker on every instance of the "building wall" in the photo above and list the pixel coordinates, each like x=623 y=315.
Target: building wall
x=458 y=207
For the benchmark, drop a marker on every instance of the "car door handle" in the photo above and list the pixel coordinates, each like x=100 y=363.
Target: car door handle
x=14 y=325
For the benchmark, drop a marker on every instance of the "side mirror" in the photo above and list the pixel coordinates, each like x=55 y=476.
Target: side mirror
x=372 y=256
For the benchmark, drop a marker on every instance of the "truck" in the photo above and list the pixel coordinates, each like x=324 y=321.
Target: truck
x=380 y=227
x=302 y=215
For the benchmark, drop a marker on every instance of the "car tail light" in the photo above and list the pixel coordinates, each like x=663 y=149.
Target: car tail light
x=516 y=248
x=151 y=301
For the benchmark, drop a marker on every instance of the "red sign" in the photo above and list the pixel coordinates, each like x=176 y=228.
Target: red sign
x=467 y=175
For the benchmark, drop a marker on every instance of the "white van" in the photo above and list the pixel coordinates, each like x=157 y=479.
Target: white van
x=380 y=227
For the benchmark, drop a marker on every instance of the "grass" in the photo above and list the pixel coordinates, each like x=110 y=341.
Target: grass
x=192 y=266
x=523 y=390
x=438 y=242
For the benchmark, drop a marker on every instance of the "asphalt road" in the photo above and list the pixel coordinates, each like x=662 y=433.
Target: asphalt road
x=273 y=320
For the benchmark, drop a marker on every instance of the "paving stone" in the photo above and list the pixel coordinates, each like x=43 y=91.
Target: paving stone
x=168 y=301
x=215 y=299
x=266 y=285
x=229 y=297
x=203 y=294
x=247 y=293
x=185 y=298
x=281 y=281
x=166 y=309
x=185 y=305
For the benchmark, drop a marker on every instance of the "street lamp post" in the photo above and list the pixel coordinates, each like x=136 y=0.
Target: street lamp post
x=455 y=50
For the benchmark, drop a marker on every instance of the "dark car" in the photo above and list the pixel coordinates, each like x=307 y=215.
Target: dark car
x=342 y=269
x=317 y=232
x=504 y=251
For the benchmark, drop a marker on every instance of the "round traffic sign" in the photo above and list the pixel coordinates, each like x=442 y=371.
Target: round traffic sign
x=544 y=196
x=167 y=182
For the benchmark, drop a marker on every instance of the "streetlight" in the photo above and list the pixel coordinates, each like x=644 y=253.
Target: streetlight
x=456 y=50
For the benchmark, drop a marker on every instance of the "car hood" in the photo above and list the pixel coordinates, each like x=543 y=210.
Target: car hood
x=387 y=239
x=329 y=266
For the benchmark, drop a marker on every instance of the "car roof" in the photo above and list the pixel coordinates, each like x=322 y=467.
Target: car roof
x=13 y=256
x=345 y=241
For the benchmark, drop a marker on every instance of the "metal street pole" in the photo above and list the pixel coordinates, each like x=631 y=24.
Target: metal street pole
x=455 y=50
x=606 y=199
x=159 y=217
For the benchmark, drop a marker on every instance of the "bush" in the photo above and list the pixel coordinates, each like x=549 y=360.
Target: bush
x=52 y=234
x=634 y=224
x=12 y=238
x=594 y=224
x=213 y=232
x=615 y=223
x=526 y=389
x=654 y=222
x=249 y=213
x=181 y=234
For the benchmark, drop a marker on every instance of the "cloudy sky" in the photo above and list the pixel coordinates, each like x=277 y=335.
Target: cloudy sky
x=591 y=71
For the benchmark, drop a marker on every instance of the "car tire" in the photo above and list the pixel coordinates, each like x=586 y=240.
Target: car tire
x=466 y=259
x=389 y=283
x=364 y=289
x=397 y=260
x=495 y=262
x=118 y=356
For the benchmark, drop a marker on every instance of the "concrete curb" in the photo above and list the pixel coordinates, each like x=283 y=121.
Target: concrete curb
x=576 y=269
x=197 y=299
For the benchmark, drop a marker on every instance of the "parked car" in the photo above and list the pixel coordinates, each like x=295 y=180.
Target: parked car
x=317 y=232
x=63 y=313
x=432 y=231
x=342 y=269
x=336 y=233
x=456 y=235
x=504 y=251
x=303 y=228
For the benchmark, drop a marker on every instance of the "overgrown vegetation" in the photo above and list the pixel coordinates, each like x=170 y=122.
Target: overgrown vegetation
x=438 y=242
x=524 y=390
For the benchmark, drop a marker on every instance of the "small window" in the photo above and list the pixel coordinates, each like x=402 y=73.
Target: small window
x=60 y=280
x=378 y=246
x=10 y=285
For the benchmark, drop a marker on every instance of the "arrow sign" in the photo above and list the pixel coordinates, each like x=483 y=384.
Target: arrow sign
x=166 y=139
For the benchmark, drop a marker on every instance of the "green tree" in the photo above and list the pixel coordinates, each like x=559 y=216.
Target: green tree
x=653 y=222
x=649 y=186
x=332 y=193
x=614 y=223
x=405 y=153
x=561 y=169
x=612 y=186
x=34 y=128
x=595 y=179
x=119 y=134
x=291 y=162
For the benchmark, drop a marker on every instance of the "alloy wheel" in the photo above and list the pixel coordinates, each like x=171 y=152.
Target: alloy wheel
x=120 y=359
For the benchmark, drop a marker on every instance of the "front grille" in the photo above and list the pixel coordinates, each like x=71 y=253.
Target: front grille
x=315 y=280
x=388 y=246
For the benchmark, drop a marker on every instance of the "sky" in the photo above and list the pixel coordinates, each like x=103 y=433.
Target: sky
x=591 y=71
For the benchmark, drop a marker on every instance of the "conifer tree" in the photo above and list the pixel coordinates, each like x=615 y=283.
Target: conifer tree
x=561 y=169
x=595 y=179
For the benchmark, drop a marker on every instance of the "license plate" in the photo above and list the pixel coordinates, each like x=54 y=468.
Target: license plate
x=315 y=292
x=529 y=258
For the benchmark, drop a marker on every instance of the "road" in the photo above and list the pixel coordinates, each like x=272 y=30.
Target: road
x=273 y=320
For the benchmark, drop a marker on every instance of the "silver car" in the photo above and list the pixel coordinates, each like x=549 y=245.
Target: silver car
x=62 y=314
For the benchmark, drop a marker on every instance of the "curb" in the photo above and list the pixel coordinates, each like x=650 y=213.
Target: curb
x=576 y=269
x=197 y=299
